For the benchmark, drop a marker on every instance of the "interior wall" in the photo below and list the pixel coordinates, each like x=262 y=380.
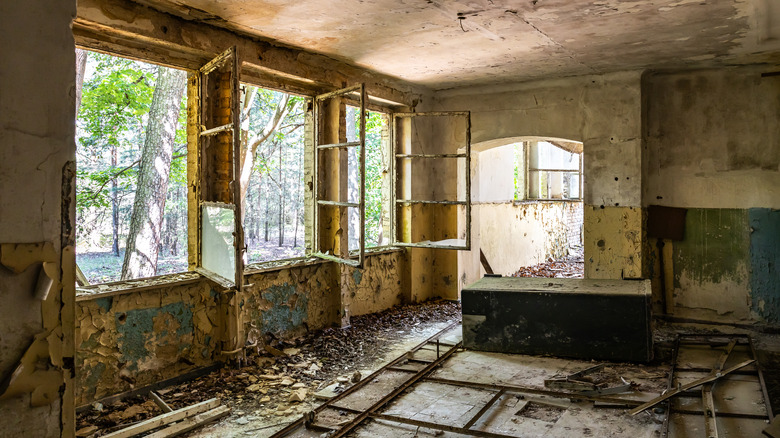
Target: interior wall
x=713 y=148
x=602 y=111
x=132 y=339
x=36 y=143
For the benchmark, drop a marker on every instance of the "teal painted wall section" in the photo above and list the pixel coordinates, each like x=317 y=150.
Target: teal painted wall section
x=716 y=246
x=288 y=310
x=137 y=327
x=765 y=263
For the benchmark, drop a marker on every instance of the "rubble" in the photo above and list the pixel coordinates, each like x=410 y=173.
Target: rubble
x=284 y=379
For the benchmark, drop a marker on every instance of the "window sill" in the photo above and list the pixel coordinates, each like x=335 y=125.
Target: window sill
x=534 y=201
x=95 y=291
x=277 y=265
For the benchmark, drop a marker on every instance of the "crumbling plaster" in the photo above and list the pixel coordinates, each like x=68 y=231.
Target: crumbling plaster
x=425 y=42
x=36 y=145
x=713 y=148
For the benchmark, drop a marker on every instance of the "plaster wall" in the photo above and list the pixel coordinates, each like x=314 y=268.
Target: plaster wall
x=36 y=142
x=129 y=340
x=136 y=339
x=604 y=112
x=713 y=148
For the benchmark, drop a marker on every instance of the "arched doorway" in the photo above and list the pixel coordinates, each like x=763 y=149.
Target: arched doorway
x=527 y=209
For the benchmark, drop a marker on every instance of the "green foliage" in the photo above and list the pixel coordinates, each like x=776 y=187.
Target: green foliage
x=113 y=115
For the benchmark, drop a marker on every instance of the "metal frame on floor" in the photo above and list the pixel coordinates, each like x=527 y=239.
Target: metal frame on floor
x=309 y=420
x=709 y=411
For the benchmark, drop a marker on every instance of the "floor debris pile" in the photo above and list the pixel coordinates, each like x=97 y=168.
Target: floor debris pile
x=282 y=380
x=570 y=266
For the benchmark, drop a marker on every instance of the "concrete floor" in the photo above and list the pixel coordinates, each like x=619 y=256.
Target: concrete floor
x=528 y=415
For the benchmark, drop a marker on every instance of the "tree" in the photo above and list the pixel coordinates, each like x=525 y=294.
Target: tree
x=143 y=240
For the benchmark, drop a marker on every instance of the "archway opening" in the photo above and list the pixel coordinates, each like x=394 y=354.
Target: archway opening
x=527 y=207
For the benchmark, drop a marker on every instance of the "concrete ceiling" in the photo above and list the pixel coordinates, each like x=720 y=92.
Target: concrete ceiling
x=495 y=41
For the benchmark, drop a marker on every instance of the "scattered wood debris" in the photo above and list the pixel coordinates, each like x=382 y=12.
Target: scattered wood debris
x=571 y=266
x=271 y=385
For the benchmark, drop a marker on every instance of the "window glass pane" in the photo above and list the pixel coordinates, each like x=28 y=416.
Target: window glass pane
x=548 y=156
x=217 y=238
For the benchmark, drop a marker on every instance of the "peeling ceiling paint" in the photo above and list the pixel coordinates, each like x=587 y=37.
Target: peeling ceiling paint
x=451 y=43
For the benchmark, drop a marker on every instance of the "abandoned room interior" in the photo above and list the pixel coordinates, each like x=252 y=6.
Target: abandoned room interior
x=368 y=218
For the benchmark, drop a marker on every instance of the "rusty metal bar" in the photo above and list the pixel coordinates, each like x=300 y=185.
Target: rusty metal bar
x=393 y=394
x=518 y=389
x=428 y=424
x=349 y=144
x=434 y=113
x=708 y=409
x=711 y=378
x=430 y=155
x=768 y=404
x=302 y=421
x=698 y=412
x=484 y=409
x=338 y=204
x=411 y=201
x=669 y=385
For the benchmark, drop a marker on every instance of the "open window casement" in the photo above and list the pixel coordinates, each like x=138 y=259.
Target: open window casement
x=216 y=182
x=340 y=183
x=433 y=179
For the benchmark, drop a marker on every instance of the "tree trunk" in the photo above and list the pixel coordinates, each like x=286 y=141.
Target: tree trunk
x=143 y=240
x=281 y=197
x=81 y=66
x=114 y=206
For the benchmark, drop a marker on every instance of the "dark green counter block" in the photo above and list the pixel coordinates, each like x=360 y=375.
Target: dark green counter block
x=584 y=319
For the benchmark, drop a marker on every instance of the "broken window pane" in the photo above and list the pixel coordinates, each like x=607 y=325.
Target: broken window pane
x=217 y=240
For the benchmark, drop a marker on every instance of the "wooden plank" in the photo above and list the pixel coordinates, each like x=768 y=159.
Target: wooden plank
x=485 y=263
x=160 y=402
x=773 y=430
x=162 y=420
x=191 y=423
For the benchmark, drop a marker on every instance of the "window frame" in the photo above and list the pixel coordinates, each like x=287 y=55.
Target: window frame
x=528 y=169
x=396 y=142
x=317 y=249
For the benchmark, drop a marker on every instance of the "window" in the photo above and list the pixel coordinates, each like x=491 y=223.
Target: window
x=334 y=203
x=131 y=155
x=272 y=151
x=433 y=179
x=554 y=170
x=378 y=178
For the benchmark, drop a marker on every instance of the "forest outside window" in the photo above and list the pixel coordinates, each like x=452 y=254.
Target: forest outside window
x=131 y=158
x=272 y=149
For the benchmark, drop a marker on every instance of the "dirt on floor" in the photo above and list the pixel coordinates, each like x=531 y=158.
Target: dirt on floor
x=280 y=381
x=570 y=266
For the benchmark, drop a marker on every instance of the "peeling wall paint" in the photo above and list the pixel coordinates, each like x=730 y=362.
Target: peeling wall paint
x=765 y=263
x=37 y=146
x=712 y=146
x=726 y=267
x=132 y=340
x=614 y=242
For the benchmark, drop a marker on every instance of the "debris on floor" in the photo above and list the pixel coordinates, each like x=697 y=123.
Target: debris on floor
x=570 y=266
x=270 y=387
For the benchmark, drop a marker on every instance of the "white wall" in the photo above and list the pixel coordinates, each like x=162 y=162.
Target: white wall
x=37 y=76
